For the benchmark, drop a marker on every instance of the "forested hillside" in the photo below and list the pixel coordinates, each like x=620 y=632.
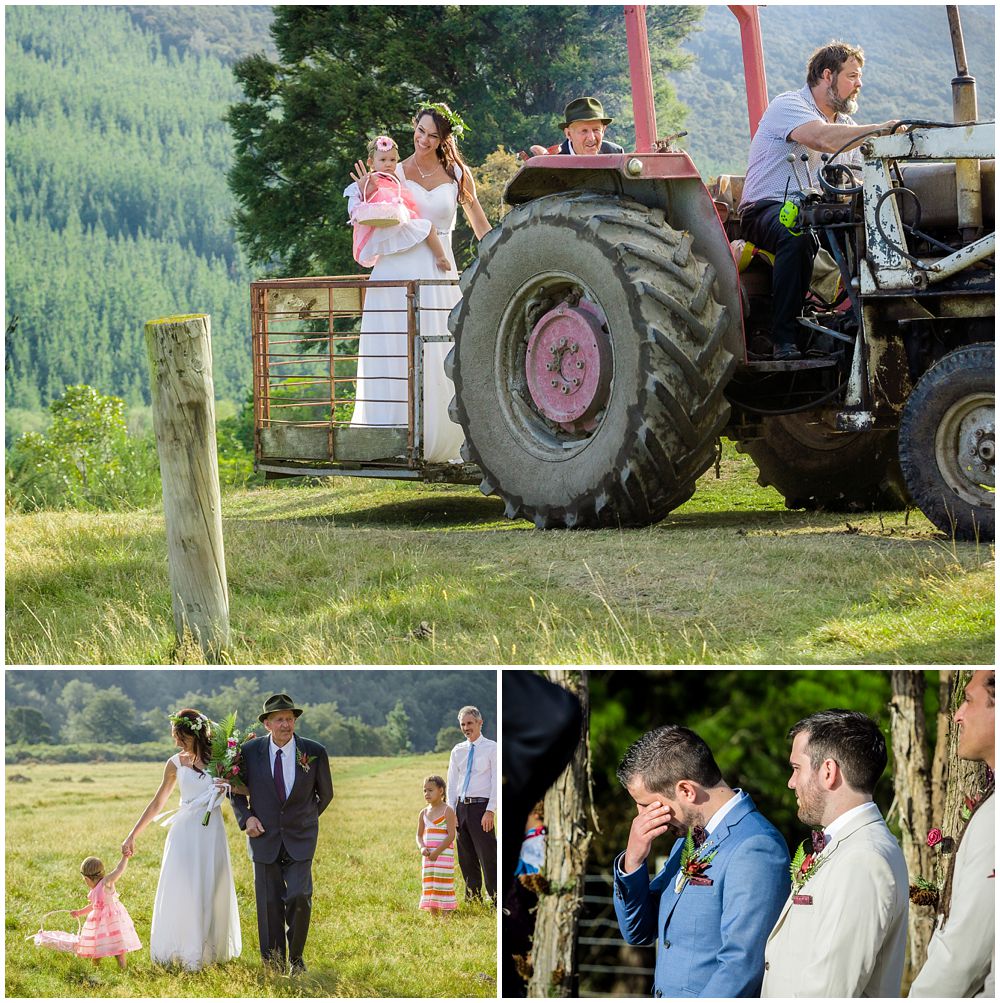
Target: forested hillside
x=117 y=209
x=908 y=67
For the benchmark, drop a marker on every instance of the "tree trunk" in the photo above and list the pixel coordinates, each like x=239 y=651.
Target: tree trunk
x=912 y=785
x=966 y=778
x=553 y=953
x=180 y=362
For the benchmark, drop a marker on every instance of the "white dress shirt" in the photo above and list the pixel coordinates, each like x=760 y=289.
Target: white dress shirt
x=841 y=821
x=287 y=762
x=483 y=782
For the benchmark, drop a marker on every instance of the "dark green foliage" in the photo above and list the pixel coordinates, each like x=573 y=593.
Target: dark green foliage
x=447 y=738
x=353 y=712
x=347 y=71
x=743 y=714
x=26 y=724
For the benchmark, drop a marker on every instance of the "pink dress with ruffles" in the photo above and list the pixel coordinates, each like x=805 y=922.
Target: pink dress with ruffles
x=108 y=930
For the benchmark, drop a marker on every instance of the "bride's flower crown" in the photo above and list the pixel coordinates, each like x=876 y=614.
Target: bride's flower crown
x=458 y=127
x=197 y=724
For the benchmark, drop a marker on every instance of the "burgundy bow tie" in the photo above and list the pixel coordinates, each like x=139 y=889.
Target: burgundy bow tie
x=699 y=835
x=818 y=840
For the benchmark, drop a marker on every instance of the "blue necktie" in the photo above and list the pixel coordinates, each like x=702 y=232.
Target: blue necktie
x=468 y=769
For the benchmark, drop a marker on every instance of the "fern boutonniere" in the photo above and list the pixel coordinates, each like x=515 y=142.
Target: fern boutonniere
x=695 y=859
x=804 y=865
x=304 y=761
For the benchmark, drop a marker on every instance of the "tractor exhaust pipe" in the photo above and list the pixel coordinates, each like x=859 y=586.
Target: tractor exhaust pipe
x=965 y=109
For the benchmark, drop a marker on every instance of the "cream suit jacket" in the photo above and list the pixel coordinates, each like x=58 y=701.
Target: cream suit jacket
x=851 y=940
x=960 y=957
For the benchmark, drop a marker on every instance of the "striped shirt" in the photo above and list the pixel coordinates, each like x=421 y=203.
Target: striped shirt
x=769 y=175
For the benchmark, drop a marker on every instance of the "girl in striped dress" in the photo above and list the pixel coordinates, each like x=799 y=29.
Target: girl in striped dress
x=108 y=931
x=435 y=840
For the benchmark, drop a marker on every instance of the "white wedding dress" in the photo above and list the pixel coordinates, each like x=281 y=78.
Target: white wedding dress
x=196 y=921
x=381 y=396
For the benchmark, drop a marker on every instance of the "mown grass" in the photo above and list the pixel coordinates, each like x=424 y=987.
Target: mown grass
x=369 y=572
x=367 y=937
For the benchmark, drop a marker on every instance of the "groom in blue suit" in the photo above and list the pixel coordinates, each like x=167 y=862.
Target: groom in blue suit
x=711 y=907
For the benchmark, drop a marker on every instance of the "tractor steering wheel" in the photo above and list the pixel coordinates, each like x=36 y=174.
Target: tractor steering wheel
x=827 y=177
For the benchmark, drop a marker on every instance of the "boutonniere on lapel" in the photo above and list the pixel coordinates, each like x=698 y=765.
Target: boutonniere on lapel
x=304 y=761
x=695 y=859
x=804 y=865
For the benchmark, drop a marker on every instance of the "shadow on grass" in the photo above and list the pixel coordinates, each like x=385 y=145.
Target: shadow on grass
x=436 y=512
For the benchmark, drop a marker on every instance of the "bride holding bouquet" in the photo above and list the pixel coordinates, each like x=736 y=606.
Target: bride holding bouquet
x=195 y=917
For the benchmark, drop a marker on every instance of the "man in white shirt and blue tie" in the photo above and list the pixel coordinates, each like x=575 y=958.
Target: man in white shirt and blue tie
x=472 y=792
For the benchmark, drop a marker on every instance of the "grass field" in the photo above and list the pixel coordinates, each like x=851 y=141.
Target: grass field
x=368 y=572
x=367 y=938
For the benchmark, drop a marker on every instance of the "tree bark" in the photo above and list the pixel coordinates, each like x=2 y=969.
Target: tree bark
x=180 y=362
x=553 y=955
x=912 y=785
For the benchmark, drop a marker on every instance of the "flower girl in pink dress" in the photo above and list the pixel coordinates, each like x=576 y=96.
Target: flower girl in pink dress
x=383 y=212
x=108 y=931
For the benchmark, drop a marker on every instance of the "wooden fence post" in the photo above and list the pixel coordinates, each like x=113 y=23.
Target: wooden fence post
x=180 y=361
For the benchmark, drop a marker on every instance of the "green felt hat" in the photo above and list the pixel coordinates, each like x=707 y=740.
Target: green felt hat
x=280 y=701
x=584 y=110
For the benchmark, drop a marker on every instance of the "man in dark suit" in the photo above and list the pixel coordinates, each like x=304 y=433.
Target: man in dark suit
x=583 y=123
x=289 y=783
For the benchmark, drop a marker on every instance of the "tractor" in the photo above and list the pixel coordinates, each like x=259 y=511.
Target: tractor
x=608 y=335
x=604 y=342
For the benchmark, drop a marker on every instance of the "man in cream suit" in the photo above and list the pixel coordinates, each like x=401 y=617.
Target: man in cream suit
x=960 y=957
x=842 y=932
x=709 y=920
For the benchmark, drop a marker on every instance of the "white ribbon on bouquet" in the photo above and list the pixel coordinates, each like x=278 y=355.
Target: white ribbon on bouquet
x=207 y=801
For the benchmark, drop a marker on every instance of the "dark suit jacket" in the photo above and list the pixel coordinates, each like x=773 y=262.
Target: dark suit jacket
x=606 y=147
x=295 y=823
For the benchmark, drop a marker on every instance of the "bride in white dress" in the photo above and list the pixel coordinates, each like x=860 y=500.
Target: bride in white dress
x=439 y=182
x=196 y=920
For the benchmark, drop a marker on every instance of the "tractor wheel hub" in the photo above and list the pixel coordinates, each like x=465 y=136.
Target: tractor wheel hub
x=568 y=366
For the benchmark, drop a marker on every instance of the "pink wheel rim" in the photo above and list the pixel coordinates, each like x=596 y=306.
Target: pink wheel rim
x=568 y=366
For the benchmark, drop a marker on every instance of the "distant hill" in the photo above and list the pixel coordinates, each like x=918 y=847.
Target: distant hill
x=228 y=33
x=117 y=209
x=908 y=67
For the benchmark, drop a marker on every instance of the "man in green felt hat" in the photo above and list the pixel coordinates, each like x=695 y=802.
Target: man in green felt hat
x=288 y=778
x=583 y=123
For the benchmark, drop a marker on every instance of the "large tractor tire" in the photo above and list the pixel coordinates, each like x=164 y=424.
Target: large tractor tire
x=947 y=443
x=815 y=467
x=589 y=363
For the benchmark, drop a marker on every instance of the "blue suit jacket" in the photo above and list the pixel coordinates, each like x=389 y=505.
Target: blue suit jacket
x=710 y=938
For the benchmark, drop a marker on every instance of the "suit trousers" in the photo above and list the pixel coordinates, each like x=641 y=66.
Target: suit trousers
x=793 y=265
x=477 y=851
x=284 y=905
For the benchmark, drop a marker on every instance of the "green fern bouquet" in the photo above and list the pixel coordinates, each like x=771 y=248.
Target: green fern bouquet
x=226 y=758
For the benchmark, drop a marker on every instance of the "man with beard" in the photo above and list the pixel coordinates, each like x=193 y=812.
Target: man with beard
x=960 y=957
x=710 y=907
x=842 y=932
x=810 y=122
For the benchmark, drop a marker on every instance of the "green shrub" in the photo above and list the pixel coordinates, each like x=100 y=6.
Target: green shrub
x=91 y=752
